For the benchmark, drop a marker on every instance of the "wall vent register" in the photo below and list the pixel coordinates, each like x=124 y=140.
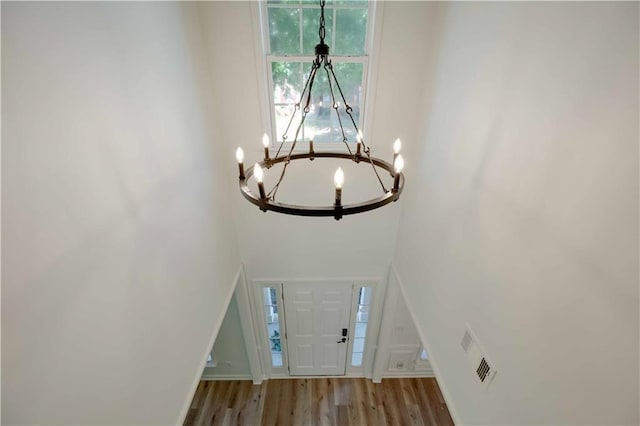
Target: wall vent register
x=476 y=356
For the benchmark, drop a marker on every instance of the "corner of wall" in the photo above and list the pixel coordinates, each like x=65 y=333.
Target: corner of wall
x=434 y=363
x=203 y=362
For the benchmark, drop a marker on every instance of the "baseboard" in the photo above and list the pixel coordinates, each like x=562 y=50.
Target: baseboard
x=187 y=404
x=434 y=364
x=408 y=375
x=223 y=377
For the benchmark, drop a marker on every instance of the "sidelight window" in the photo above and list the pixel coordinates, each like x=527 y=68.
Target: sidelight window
x=270 y=302
x=362 y=320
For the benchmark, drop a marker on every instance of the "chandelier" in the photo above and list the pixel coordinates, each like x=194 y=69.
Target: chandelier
x=362 y=155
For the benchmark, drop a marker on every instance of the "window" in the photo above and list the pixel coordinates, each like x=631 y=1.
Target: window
x=362 y=319
x=423 y=355
x=270 y=302
x=292 y=35
x=211 y=359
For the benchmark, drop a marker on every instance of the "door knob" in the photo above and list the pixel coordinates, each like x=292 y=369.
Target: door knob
x=344 y=339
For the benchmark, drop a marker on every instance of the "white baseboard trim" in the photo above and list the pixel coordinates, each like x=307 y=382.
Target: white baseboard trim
x=408 y=375
x=434 y=364
x=187 y=404
x=223 y=377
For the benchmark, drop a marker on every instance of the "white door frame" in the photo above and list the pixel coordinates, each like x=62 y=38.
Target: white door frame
x=378 y=286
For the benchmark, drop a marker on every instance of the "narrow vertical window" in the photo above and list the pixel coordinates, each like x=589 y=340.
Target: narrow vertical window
x=362 y=319
x=273 y=325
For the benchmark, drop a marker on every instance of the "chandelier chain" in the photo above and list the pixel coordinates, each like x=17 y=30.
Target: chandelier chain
x=321 y=30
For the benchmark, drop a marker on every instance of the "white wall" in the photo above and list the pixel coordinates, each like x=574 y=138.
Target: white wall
x=521 y=217
x=230 y=349
x=399 y=344
x=118 y=257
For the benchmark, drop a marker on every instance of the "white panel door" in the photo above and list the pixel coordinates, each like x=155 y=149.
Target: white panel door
x=316 y=315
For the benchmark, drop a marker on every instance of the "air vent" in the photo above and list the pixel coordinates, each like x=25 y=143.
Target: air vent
x=483 y=370
x=477 y=358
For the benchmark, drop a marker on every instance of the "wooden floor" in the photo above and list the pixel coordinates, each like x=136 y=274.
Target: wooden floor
x=322 y=401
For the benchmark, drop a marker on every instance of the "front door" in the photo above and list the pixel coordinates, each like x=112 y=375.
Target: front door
x=317 y=321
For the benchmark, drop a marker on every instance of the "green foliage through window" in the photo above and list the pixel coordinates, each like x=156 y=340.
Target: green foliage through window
x=293 y=33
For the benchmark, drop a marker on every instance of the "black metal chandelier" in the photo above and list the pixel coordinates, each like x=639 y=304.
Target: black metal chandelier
x=267 y=200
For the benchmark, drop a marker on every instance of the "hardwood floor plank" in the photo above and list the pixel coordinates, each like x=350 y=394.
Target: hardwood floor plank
x=239 y=402
x=303 y=401
x=428 y=416
x=271 y=403
x=207 y=404
x=252 y=414
x=324 y=397
x=321 y=401
x=287 y=402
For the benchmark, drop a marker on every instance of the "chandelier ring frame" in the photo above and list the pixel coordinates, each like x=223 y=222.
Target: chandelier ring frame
x=336 y=211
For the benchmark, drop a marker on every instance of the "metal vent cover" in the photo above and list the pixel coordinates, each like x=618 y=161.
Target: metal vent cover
x=483 y=370
x=477 y=358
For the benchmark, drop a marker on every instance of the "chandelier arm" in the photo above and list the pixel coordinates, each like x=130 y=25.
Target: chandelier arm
x=335 y=107
x=286 y=159
x=307 y=88
x=286 y=131
x=312 y=74
x=348 y=109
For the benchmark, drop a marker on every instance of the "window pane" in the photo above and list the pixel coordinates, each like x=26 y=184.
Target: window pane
x=276 y=345
x=363 y=313
x=356 y=359
x=271 y=314
x=361 y=329
x=423 y=355
x=269 y=299
x=322 y=120
x=284 y=30
x=287 y=81
x=365 y=296
x=351 y=30
x=358 y=345
x=362 y=317
x=276 y=359
x=269 y=295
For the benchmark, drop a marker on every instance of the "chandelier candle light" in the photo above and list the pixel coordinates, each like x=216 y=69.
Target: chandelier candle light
x=267 y=201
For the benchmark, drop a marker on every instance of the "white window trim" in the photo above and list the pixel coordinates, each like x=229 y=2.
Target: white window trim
x=265 y=81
